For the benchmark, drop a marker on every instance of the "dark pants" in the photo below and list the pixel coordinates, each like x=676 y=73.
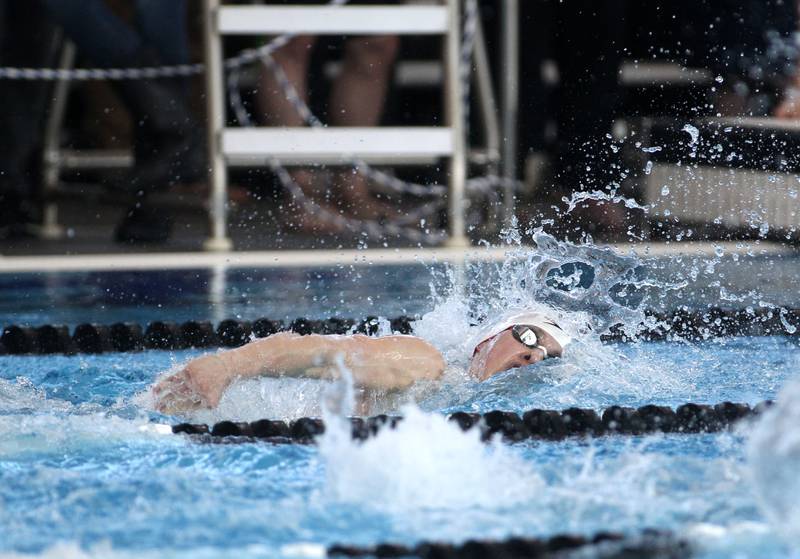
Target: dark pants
x=26 y=40
x=108 y=41
x=584 y=37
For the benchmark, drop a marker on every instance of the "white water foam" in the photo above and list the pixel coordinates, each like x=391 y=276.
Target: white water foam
x=774 y=463
x=54 y=434
x=426 y=462
x=105 y=550
x=32 y=422
x=585 y=288
x=22 y=396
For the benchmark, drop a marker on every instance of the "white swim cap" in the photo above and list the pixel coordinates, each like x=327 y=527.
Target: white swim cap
x=529 y=318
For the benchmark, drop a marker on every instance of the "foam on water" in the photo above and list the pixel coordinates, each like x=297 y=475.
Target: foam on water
x=424 y=463
x=22 y=396
x=32 y=423
x=104 y=550
x=774 y=460
x=43 y=434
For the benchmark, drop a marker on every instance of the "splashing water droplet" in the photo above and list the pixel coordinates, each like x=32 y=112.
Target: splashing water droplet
x=773 y=458
x=788 y=326
x=694 y=135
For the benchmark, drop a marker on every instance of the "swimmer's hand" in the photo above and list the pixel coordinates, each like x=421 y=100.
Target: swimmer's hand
x=200 y=384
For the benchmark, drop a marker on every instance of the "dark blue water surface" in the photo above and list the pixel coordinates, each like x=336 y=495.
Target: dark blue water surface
x=83 y=473
x=360 y=290
x=178 y=295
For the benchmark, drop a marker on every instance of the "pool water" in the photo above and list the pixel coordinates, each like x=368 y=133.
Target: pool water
x=84 y=474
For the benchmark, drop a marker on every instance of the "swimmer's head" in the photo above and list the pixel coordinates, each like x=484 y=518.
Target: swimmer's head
x=518 y=340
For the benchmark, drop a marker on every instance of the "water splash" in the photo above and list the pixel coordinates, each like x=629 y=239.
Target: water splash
x=22 y=396
x=598 y=195
x=774 y=461
x=425 y=463
x=47 y=434
x=694 y=138
x=586 y=288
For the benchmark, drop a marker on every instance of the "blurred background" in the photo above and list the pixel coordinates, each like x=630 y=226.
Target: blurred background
x=622 y=120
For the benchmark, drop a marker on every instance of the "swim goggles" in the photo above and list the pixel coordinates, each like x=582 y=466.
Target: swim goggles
x=525 y=335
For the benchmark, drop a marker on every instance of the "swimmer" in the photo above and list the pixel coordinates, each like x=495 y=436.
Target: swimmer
x=388 y=363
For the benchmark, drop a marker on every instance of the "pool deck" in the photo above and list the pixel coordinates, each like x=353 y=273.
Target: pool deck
x=333 y=257
x=265 y=242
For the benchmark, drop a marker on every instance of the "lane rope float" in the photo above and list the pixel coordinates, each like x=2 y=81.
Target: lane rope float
x=128 y=336
x=649 y=543
x=535 y=424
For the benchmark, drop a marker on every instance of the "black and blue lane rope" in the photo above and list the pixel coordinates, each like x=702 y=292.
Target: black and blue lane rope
x=647 y=544
x=165 y=335
x=536 y=424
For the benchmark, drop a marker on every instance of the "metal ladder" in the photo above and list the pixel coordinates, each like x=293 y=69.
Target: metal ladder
x=333 y=145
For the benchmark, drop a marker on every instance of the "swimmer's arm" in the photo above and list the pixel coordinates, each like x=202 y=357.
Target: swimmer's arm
x=393 y=362
x=384 y=363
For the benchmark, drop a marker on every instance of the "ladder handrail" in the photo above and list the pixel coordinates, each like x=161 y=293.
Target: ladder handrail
x=216 y=111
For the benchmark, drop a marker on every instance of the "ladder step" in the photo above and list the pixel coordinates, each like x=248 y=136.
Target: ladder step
x=339 y=20
x=400 y=145
x=95 y=159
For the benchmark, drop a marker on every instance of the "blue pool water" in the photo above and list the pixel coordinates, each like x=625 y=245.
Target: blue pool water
x=73 y=298
x=83 y=474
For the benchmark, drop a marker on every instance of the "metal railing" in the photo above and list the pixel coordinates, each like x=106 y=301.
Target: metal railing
x=337 y=144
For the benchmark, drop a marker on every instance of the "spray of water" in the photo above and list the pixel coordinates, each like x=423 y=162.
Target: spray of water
x=33 y=423
x=586 y=288
x=773 y=455
x=424 y=463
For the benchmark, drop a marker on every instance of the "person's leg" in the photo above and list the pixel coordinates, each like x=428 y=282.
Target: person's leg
x=359 y=94
x=157 y=106
x=168 y=143
x=276 y=110
x=293 y=58
x=25 y=41
x=357 y=99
